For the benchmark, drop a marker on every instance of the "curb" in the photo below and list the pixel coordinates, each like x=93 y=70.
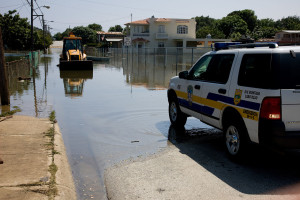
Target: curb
x=64 y=178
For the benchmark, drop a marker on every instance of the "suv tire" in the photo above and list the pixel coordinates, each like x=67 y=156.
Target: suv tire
x=235 y=137
x=177 y=118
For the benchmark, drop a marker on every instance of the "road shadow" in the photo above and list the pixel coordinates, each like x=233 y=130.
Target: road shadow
x=262 y=171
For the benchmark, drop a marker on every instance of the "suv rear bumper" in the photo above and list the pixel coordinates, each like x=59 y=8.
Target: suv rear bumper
x=273 y=133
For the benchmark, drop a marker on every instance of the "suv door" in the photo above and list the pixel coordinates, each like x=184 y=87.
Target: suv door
x=215 y=88
x=191 y=103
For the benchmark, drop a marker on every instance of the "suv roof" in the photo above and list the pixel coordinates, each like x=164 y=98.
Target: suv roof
x=250 y=46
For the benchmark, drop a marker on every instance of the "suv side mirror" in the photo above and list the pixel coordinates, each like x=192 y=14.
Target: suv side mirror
x=184 y=75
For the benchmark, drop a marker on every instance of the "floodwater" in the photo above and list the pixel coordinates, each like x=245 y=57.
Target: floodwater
x=117 y=111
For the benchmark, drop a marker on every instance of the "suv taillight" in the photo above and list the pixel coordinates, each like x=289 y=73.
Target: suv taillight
x=271 y=108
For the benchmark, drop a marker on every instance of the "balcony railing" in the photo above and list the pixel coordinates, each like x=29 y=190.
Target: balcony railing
x=162 y=36
x=141 y=34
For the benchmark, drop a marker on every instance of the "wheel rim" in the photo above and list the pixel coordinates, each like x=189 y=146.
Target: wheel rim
x=232 y=140
x=173 y=111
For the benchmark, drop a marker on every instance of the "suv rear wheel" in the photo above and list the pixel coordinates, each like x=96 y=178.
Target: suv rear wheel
x=177 y=118
x=235 y=137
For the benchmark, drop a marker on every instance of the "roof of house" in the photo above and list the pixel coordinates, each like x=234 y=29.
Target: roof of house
x=162 y=20
x=143 y=21
x=289 y=31
x=146 y=21
x=109 y=33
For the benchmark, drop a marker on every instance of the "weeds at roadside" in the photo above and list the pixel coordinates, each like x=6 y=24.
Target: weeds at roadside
x=12 y=112
x=52 y=116
x=52 y=192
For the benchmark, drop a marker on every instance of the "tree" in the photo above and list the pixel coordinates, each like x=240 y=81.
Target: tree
x=116 y=28
x=248 y=16
x=266 y=28
x=60 y=36
x=212 y=30
x=232 y=25
x=88 y=35
x=95 y=27
x=15 y=31
x=289 y=23
x=41 y=38
x=126 y=31
x=204 y=22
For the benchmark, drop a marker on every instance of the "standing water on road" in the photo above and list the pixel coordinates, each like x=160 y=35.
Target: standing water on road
x=116 y=111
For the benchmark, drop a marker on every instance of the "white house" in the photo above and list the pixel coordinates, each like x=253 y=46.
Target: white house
x=162 y=32
x=167 y=32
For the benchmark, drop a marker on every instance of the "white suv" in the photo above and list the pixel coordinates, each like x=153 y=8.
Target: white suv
x=251 y=92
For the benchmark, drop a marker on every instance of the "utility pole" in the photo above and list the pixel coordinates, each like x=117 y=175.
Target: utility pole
x=3 y=77
x=31 y=33
x=44 y=33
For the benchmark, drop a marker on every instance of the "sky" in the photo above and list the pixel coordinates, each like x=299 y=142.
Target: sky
x=66 y=13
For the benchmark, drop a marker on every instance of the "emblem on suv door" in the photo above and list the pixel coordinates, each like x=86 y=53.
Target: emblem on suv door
x=190 y=95
x=237 y=96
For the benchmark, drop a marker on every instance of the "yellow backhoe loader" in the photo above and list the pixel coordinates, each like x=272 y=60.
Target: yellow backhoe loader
x=72 y=56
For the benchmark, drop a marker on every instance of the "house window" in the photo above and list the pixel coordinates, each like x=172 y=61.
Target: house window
x=182 y=29
x=161 y=29
x=141 y=29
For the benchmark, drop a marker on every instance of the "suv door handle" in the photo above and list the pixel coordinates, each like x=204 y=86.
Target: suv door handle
x=222 y=91
x=197 y=87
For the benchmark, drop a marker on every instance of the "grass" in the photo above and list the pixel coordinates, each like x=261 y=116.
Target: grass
x=52 y=116
x=52 y=192
x=12 y=112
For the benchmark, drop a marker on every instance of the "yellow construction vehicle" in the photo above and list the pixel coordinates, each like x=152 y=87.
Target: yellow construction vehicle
x=72 y=56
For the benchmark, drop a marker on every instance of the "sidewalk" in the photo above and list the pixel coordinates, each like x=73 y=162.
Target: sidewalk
x=25 y=151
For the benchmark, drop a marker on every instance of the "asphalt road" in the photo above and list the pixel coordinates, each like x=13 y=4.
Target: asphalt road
x=195 y=166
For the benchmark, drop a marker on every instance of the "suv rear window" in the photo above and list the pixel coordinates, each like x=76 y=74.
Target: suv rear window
x=288 y=69
x=270 y=71
x=256 y=71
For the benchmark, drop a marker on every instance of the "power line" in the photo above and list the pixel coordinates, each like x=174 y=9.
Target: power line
x=20 y=8
x=39 y=7
x=9 y=6
x=26 y=7
x=59 y=22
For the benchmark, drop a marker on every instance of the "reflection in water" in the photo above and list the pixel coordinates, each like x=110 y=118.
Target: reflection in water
x=74 y=81
x=28 y=86
x=144 y=68
x=151 y=73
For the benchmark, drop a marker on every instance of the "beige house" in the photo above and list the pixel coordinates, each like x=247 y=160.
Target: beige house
x=288 y=37
x=162 y=32
x=113 y=39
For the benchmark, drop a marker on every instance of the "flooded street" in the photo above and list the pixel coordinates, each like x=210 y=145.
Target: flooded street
x=117 y=111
